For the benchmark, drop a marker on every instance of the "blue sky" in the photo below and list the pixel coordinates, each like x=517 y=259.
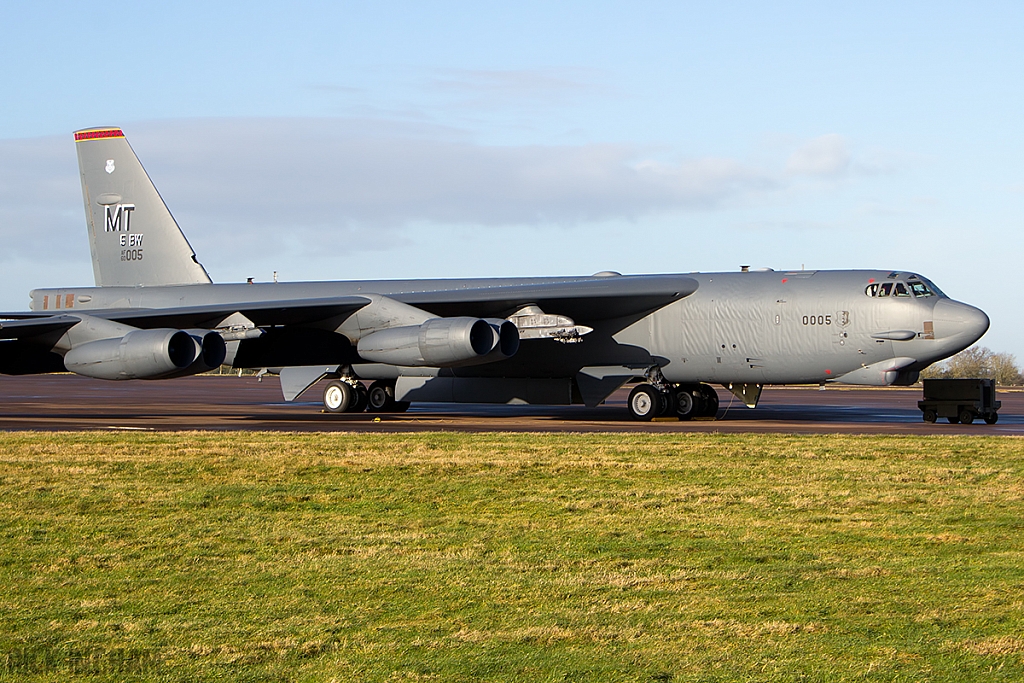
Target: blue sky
x=351 y=140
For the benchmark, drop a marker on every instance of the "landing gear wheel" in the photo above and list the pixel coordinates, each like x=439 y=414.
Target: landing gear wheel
x=930 y=416
x=966 y=417
x=666 y=403
x=338 y=396
x=991 y=418
x=689 y=402
x=359 y=399
x=643 y=402
x=710 y=397
x=381 y=397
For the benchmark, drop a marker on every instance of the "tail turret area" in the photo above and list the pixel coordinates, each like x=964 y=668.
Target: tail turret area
x=133 y=237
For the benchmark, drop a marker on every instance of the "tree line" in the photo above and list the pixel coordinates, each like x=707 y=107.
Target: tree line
x=978 y=361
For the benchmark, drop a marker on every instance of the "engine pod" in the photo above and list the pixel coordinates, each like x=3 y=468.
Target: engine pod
x=438 y=342
x=140 y=354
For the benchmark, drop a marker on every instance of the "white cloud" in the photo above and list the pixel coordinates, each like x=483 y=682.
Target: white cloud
x=40 y=199
x=345 y=186
x=357 y=181
x=824 y=156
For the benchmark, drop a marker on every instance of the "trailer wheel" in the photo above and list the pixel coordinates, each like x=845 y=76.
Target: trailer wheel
x=930 y=416
x=991 y=418
x=966 y=417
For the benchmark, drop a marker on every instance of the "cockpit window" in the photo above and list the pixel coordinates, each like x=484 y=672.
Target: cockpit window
x=920 y=289
x=931 y=285
x=916 y=287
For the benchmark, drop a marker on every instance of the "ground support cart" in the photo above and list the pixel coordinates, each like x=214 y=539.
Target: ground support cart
x=960 y=400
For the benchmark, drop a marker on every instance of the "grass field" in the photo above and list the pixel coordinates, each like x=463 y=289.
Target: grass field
x=448 y=557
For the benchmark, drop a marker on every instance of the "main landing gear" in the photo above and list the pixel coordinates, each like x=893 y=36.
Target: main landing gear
x=341 y=396
x=684 y=401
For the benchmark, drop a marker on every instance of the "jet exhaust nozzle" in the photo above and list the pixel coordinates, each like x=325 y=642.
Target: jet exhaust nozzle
x=210 y=351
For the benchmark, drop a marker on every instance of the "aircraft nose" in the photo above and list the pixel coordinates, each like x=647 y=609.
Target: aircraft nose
x=959 y=322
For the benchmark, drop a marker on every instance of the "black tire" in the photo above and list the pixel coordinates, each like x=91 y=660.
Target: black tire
x=643 y=402
x=991 y=418
x=710 y=400
x=338 y=396
x=966 y=416
x=930 y=416
x=359 y=399
x=689 y=402
x=666 y=403
x=381 y=397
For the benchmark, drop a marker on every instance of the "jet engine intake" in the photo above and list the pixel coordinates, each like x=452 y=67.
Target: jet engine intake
x=438 y=342
x=140 y=354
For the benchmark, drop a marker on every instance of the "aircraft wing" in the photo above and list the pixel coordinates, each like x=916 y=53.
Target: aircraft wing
x=262 y=313
x=35 y=325
x=584 y=299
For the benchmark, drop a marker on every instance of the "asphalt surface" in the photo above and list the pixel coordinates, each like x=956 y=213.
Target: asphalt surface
x=209 y=402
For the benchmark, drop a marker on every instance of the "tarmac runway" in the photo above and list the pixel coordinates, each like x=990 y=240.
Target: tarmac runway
x=227 y=402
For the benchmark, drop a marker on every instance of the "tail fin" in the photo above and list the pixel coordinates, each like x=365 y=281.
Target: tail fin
x=133 y=237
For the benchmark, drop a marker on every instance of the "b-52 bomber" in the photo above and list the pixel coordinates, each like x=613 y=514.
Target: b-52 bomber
x=155 y=314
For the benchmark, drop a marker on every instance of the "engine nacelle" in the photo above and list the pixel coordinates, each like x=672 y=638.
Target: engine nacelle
x=210 y=350
x=140 y=354
x=439 y=342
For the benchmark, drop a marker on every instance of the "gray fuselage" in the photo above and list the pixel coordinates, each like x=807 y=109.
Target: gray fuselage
x=764 y=327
